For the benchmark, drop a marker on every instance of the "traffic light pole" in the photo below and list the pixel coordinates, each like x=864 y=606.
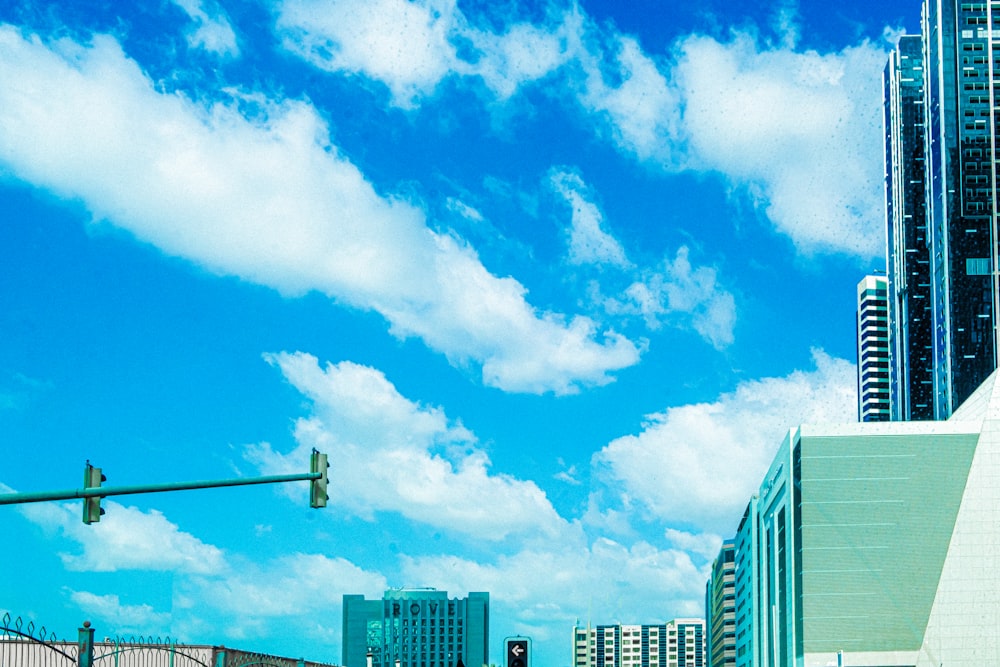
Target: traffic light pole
x=101 y=491
x=92 y=490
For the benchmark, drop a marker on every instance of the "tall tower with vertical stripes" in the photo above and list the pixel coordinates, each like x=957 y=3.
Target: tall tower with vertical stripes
x=941 y=178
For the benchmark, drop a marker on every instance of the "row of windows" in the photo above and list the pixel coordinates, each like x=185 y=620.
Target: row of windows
x=423 y=622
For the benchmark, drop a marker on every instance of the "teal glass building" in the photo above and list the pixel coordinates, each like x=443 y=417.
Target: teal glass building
x=416 y=628
x=876 y=544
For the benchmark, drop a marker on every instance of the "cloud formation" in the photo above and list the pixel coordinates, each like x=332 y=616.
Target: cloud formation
x=589 y=243
x=127 y=538
x=699 y=464
x=125 y=619
x=212 y=30
x=543 y=590
x=266 y=197
x=389 y=454
x=798 y=132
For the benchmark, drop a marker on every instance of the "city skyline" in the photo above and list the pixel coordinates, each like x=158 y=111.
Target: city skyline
x=548 y=283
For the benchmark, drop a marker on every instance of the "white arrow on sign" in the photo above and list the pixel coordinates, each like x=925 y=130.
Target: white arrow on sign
x=517 y=650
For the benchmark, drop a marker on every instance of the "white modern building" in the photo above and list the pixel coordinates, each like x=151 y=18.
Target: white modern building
x=873 y=349
x=876 y=545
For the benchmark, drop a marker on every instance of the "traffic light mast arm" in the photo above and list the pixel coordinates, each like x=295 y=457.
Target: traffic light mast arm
x=101 y=491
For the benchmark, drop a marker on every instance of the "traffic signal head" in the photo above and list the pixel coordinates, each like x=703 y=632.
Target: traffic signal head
x=317 y=487
x=92 y=509
x=517 y=651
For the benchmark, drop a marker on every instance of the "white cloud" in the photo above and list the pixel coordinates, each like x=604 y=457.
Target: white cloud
x=680 y=294
x=699 y=464
x=640 y=110
x=705 y=545
x=270 y=200
x=410 y=45
x=389 y=454
x=124 y=619
x=400 y=43
x=291 y=585
x=212 y=31
x=125 y=539
x=546 y=590
x=798 y=130
x=589 y=243
x=523 y=54
x=464 y=210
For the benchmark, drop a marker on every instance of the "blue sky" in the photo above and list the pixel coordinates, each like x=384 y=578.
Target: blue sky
x=547 y=281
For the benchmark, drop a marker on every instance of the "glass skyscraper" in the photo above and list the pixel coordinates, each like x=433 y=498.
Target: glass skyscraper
x=941 y=209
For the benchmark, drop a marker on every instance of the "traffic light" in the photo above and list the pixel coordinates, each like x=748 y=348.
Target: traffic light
x=517 y=651
x=317 y=487
x=92 y=509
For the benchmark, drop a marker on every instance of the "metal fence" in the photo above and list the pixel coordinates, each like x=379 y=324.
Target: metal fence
x=24 y=645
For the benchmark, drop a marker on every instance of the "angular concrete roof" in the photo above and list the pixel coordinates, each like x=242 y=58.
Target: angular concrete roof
x=983 y=404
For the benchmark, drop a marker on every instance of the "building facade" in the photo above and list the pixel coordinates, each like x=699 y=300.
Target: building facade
x=746 y=588
x=720 y=609
x=873 y=349
x=876 y=545
x=911 y=387
x=416 y=628
x=679 y=643
x=956 y=232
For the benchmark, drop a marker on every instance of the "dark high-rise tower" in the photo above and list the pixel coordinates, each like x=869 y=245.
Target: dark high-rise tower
x=955 y=229
x=911 y=379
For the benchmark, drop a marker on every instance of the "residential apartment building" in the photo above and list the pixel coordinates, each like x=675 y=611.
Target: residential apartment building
x=720 y=609
x=746 y=588
x=679 y=643
x=873 y=349
x=416 y=628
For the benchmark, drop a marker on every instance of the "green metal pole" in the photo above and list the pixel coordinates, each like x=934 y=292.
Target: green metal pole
x=102 y=491
x=85 y=645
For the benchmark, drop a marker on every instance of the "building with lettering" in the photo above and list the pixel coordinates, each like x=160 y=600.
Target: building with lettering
x=876 y=544
x=416 y=628
x=679 y=643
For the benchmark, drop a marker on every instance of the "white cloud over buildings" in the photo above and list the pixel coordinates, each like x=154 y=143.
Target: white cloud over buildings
x=699 y=464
